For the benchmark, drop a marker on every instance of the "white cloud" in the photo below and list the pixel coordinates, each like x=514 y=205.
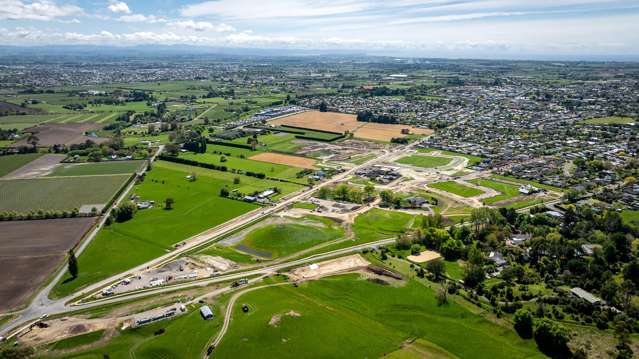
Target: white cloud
x=149 y=19
x=43 y=10
x=250 y=9
x=119 y=7
x=202 y=26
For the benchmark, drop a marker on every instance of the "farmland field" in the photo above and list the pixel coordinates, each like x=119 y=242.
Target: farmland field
x=11 y=163
x=424 y=161
x=30 y=250
x=58 y=193
x=21 y=122
x=197 y=207
x=295 y=161
x=277 y=240
x=456 y=188
x=523 y=181
x=326 y=320
x=269 y=169
x=97 y=168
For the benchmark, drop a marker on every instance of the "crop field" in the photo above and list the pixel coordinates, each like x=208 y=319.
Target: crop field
x=30 y=250
x=321 y=315
x=507 y=190
x=21 y=122
x=197 y=207
x=295 y=161
x=60 y=193
x=269 y=169
x=279 y=141
x=456 y=188
x=612 y=120
x=472 y=160
x=386 y=132
x=424 y=161
x=98 y=168
x=278 y=240
x=11 y=163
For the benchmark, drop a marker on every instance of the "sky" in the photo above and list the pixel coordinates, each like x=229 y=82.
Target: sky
x=428 y=28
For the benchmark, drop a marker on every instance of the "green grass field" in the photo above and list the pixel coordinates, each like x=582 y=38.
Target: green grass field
x=472 y=160
x=377 y=224
x=11 y=163
x=21 y=122
x=269 y=169
x=612 y=120
x=523 y=181
x=58 y=193
x=424 y=161
x=348 y=317
x=456 y=188
x=152 y=232
x=630 y=217
x=507 y=190
x=304 y=205
x=99 y=168
x=77 y=341
x=278 y=240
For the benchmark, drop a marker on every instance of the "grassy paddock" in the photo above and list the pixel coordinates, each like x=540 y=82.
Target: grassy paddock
x=11 y=163
x=424 y=161
x=456 y=188
x=99 y=168
x=611 y=120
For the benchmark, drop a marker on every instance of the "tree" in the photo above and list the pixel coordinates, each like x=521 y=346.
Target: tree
x=452 y=249
x=236 y=180
x=524 y=323
x=436 y=268
x=33 y=141
x=631 y=272
x=224 y=192
x=369 y=191
x=168 y=203
x=124 y=211
x=551 y=338
x=323 y=107
x=73 y=264
x=387 y=198
x=474 y=275
x=442 y=295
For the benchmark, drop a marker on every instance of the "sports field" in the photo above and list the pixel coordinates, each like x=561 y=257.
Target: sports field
x=197 y=207
x=11 y=163
x=61 y=193
x=99 y=168
x=424 y=161
x=277 y=240
x=456 y=188
x=612 y=120
x=348 y=317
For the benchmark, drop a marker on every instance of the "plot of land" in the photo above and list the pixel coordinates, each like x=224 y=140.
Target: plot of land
x=36 y=168
x=456 y=188
x=424 y=161
x=58 y=193
x=423 y=257
x=330 y=323
x=340 y=122
x=99 y=168
x=30 y=250
x=11 y=163
x=295 y=161
x=269 y=169
x=62 y=134
x=472 y=160
x=330 y=267
x=612 y=120
x=197 y=207
x=507 y=190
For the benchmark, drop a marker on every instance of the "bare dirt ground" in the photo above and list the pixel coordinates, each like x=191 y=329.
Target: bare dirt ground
x=281 y=159
x=30 y=250
x=423 y=257
x=37 y=168
x=62 y=134
x=385 y=132
x=330 y=267
x=324 y=121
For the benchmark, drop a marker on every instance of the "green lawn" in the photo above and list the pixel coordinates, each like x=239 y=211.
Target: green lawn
x=278 y=240
x=454 y=270
x=11 y=163
x=612 y=120
x=228 y=253
x=304 y=205
x=60 y=193
x=152 y=232
x=523 y=181
x=377 y=224
x=130 y=140
x=77 y=341
x=348 y=317
x=269 y=169
x=507 y=190
x=630 y=217
x=472 y=160
x=424 y=161
x=456 y=188
x=99 y=168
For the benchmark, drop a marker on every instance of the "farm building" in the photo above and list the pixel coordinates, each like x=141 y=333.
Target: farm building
x=206 y=312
